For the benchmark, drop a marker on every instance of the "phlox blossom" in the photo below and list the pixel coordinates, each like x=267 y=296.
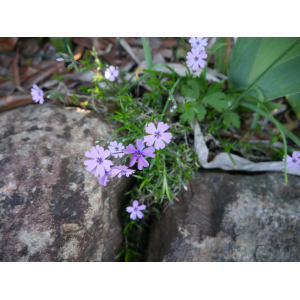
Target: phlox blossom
x=195 y=59
x=121 y=170
x=37 y=94
x=293 y=161
x=111 y=73
x=98 y=164
x=115 y=147
x=138 y=153
x=135 y=210
x=198 y=42
x=159 y=136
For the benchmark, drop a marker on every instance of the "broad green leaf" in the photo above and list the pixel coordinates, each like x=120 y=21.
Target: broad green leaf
x=232 y=118
x=294 y=102
x=272 y=105
x=201 y=111
x=220 y=56
x=217 y=101
x=187 y=118
x=252 y=56
x=194 y=85
x=147 y=52
x=188 y=92
x=215 y=87
x=202 y=83
x=60 y=44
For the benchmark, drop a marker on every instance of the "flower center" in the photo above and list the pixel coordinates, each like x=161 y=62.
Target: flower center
x=100 y=161
x=139 y=154
x=111 y=74
x=117 y=149
x=198 y=43
x=196 y=58
x=294 y=160
x=135 y=209
x=157 y=134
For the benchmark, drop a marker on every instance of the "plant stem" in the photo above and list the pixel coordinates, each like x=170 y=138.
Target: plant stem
x=164 y=110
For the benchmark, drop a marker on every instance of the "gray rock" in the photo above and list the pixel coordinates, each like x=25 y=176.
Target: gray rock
x=226 y=217
x=51 y=208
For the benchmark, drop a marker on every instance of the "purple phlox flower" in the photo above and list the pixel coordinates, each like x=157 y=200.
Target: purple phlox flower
x=139 y=153
x=111 y=73
x=121 y=170
x=37 y=94
x=157 y=135
x=115 y=147
x=195 y=59
x=135 y=210
x=293 y=161
x=198 y=42
x=98 y=164
x=59 y=59
x=104 y=179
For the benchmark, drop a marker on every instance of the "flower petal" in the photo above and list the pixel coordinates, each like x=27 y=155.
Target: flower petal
x=100 y=170
x=133 y=215
x=161 y=127
x=142 y=163
x=150 y=128
x=106 y=164
x=114 y=172
x=135 y=203
x=130 y=149
x=142 y=207
x=140 y=145
x=91 y=164
x=103 y=179
x=140 y=214
x=133 y=160
x=296 y=154
x=149 y=152
x=159 y=144
x=149 y=139
x=296 y=167
x=166 y=136
x=129 y=209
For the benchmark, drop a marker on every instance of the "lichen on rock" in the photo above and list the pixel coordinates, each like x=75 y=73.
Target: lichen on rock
x=51 y=208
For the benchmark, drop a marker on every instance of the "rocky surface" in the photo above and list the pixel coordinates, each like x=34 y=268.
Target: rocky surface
x=225 y=217
x=51 y=208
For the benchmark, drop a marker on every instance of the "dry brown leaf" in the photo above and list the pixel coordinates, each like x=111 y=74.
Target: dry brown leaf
x=40 y=76
x=7 y=43
x=14 y=68
x=78 y=52
x=13 y=101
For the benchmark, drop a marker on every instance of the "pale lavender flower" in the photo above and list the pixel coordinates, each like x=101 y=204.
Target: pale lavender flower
x=293 y=161
x=115 y=147
x=98 y=164
x=37 y=94
x=111 y=73
x=195 y=59
x=59 y=59
x=135 y=210
x=121 y=170
x=139 y=153
x=104 y=179
x=198 y=43
x=158 y=135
